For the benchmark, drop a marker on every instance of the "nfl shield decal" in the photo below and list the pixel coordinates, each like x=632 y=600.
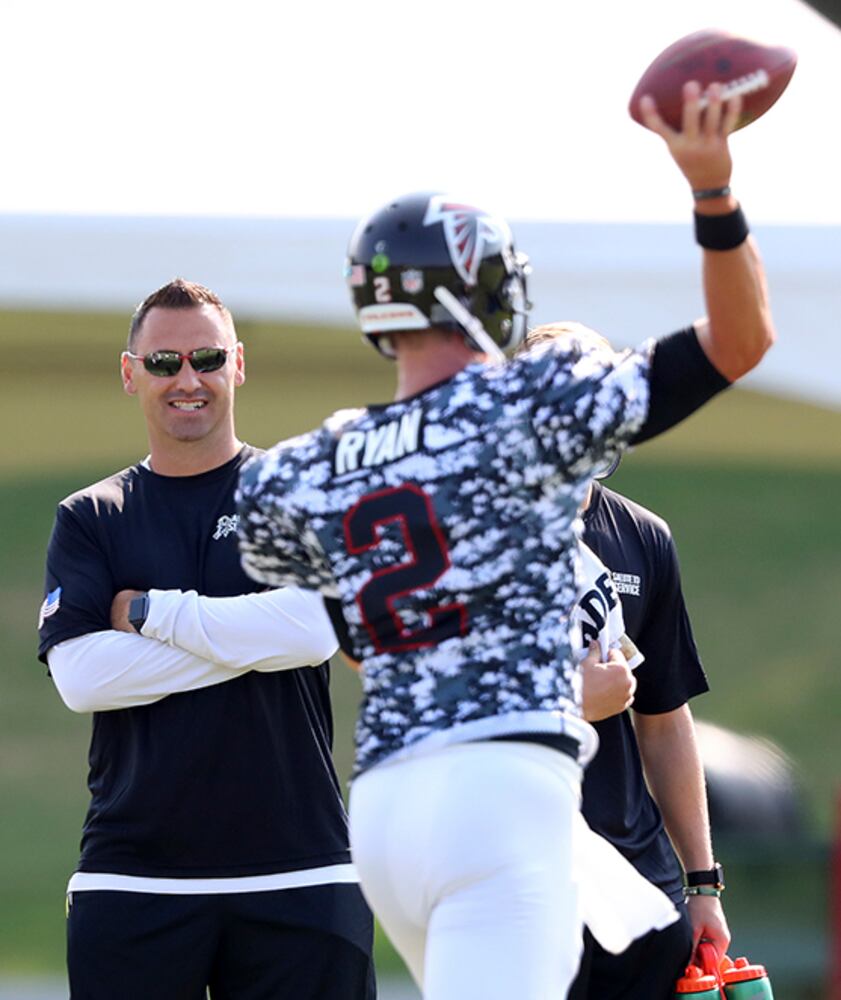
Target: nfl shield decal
x=411 y=281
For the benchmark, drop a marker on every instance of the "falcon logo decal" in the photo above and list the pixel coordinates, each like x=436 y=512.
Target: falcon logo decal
x=467 y=232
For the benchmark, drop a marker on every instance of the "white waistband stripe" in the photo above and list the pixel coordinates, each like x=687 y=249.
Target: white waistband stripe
x=328 y=875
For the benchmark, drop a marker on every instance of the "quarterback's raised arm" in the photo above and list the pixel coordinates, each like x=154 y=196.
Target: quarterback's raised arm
x=738 y=328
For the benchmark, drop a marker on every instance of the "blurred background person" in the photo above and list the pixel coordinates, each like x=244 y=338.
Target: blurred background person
x=650 y=768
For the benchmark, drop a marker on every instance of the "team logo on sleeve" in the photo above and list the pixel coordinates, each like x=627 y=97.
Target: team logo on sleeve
x=51 y=604
x=467 y=231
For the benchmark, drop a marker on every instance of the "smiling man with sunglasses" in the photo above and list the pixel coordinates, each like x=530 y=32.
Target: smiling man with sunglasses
x=214 y=852
x=189 y=407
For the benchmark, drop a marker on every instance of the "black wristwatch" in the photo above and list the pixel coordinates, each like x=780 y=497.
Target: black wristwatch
x=138 y=611
x=712 y=876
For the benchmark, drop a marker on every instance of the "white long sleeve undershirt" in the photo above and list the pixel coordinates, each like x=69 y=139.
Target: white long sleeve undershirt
x=190 y=642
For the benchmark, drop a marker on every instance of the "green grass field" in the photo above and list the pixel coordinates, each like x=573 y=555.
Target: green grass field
x=751 y=486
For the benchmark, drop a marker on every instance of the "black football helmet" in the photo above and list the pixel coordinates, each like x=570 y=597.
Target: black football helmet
x=428 y=260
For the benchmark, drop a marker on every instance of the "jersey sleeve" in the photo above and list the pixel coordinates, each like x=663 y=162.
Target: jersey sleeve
x=672 y=672
x=682 y=380
x=78 y=587
x=277 y=545
x=589 y=402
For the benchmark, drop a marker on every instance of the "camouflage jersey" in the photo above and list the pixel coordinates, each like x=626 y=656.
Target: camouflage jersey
x=445 y=524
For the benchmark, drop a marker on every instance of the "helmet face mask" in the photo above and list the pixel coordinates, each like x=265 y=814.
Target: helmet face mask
x=426 y=260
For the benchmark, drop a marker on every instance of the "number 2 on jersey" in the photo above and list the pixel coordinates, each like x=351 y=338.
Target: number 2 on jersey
x=412 y=509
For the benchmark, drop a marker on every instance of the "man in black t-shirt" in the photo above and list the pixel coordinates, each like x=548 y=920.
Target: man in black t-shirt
x=657 y=749
x=215 y=851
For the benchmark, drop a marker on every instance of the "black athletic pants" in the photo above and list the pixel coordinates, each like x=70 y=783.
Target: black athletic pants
x=647 y=970
x=294 y=944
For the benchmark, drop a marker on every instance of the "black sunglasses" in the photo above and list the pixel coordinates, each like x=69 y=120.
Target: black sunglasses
x=164 y=364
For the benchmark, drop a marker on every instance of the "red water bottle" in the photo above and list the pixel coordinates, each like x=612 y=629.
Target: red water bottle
x=739 y=980
x=696 y=985
x=746 y=981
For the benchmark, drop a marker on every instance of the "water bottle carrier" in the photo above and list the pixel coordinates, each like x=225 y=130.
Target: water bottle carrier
x=723 y=980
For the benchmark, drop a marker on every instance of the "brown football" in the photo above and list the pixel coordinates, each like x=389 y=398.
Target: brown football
x=760 y=73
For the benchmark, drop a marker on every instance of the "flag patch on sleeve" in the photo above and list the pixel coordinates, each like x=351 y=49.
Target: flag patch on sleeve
x=51 y=604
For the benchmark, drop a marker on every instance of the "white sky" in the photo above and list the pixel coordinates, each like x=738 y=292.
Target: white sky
x=301 y=107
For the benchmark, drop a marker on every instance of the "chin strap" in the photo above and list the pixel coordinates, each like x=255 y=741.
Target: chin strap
x=477 y=333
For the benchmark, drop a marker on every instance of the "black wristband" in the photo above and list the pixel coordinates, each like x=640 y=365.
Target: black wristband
x=721 y=232
x=705 y=194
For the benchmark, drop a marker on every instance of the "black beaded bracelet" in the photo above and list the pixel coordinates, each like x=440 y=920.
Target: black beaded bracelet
x=721 y=232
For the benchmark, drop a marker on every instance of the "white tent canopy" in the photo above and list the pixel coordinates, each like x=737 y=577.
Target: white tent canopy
x=628 y=280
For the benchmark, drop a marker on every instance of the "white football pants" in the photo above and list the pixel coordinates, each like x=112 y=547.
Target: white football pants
x=465 y=854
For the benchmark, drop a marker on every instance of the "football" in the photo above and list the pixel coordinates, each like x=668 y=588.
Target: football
x=760 y=73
